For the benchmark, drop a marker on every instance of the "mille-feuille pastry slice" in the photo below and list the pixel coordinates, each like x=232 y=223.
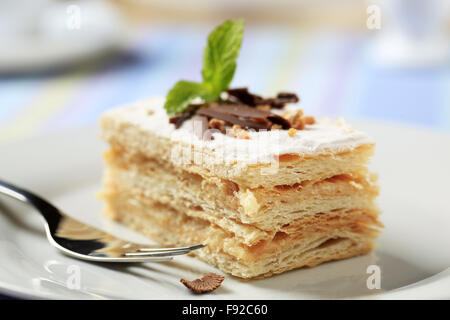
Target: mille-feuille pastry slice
x=265 y=187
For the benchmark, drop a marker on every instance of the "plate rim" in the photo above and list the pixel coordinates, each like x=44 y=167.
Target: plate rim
x=18 y=292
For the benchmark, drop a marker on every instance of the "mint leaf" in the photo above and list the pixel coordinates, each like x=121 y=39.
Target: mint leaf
x=221 y=52
x=181 y=95
x=219 y=65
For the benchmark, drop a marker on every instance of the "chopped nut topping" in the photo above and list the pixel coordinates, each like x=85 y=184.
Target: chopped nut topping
x=237 y=132
x=292 y=132
x=299 y=124
x=294 y=117
x=276 y=127
x=209 y=282
x=309 y=120
x=216 y=124
x=298 y=120
x=243 y=135
x=264 y=107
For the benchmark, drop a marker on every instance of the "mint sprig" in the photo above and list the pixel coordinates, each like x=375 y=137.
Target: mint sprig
x=181 y=95
x=219 y=65
x=221 y=52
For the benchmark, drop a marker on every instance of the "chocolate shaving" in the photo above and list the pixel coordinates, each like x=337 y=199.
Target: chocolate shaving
x=242 y=108
x=285 y=124
x=209 y=282
x=242 y=95
x=245 y=116
x=178 y=119
x=287 y=97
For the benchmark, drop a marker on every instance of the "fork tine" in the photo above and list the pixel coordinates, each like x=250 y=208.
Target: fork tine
x=190 y=248
x=156 y=254
x=59 y=229
x=150 y=259
x=163 y=252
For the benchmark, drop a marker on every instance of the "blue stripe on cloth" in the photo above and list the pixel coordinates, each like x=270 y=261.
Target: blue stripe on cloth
x=403 y=96
x=148 y=71
x=445 y=104
x=338 y=75
x=330 y=71
x=259 y=57
x=15 y=95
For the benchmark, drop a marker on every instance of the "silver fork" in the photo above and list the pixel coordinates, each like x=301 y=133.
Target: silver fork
x=84 y=242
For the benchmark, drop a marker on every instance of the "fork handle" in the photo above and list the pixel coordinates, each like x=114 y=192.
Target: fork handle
x=51 y=214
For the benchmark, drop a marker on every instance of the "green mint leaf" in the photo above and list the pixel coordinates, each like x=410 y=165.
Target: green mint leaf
x=181 y=95
x=221 y=52
x=219 y=65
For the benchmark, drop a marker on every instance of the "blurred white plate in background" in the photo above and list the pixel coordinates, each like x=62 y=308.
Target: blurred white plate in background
x=40 y=34
x=66 y=168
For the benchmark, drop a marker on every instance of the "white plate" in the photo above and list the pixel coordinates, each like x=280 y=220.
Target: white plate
x=43 y=34
x=413 y=251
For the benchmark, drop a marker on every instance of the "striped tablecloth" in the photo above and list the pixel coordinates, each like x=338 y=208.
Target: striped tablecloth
x=331 y=72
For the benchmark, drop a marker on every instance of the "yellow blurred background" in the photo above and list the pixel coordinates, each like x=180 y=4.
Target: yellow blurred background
x=350 y=14
x=63 y=63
